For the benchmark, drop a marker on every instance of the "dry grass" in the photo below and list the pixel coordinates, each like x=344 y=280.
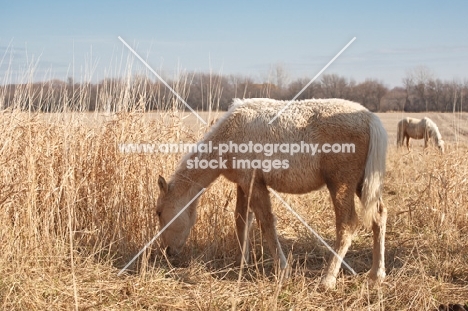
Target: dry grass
x=74 y=210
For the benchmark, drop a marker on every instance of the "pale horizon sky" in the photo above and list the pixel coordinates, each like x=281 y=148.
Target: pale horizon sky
x=248 y=38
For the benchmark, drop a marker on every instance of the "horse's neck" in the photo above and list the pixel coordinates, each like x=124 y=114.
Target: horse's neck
x=434 y=132
x=436 y=136
x=192 y=180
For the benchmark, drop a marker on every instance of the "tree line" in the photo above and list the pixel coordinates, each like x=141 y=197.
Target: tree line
x=420 y=91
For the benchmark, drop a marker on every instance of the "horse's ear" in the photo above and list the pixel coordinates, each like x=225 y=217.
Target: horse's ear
x=162 y=184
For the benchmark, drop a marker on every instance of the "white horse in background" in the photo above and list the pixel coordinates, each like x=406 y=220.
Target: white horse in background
x=320 y=121
x=419 y=129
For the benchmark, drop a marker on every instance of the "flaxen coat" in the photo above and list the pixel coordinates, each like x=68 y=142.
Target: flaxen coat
x=419 y=129
x=320 y=121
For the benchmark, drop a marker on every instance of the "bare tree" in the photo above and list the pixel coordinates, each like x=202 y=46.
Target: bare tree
x=281 y=76
x=435 y=89
x=334 y=86
x=394 y=100
x=408 y=85
x=418 y=78
x=369 y=94
x=313 y=91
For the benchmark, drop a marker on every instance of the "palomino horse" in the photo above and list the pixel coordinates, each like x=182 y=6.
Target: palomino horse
x=324 y=122
x=419 y=129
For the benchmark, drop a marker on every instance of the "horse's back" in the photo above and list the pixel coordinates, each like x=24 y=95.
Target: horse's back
x=317 y=122
x=256 y=113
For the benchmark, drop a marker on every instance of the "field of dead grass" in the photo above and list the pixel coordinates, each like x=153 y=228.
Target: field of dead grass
x=74 y=210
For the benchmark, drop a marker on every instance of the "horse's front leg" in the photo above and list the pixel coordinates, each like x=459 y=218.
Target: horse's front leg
x=260 y=204
x=242 y=226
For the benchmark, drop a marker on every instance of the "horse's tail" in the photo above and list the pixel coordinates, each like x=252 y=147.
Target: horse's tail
x=374 y=172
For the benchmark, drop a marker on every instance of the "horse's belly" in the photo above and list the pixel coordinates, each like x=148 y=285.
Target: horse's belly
x=294 y=181
x=297 y=181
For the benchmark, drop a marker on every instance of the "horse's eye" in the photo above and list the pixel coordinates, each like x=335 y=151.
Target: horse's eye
x=158 y=213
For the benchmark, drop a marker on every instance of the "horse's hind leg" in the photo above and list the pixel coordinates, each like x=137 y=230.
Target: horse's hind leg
x=377 y=272
x=346 y=224
x=261 y=205
x=242 y=226
x=400 y=136
x=407 y=142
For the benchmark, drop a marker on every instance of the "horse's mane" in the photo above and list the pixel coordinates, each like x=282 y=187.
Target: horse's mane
x=434 y=131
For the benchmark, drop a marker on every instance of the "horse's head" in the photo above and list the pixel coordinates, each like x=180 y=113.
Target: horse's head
x=441 y=146
x=170 y=203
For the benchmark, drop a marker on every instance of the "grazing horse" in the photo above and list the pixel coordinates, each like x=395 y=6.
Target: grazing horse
x=329 y=124
x=419 y=129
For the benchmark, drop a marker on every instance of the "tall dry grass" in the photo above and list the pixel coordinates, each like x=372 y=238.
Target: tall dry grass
x=74 y=210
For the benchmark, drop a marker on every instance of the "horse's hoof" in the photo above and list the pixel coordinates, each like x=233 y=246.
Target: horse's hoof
x=328 y=282
x=376 y=277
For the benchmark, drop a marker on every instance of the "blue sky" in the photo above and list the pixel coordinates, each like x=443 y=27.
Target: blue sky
x=61 y=39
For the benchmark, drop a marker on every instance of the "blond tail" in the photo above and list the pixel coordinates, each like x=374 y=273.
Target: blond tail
x=374 y=172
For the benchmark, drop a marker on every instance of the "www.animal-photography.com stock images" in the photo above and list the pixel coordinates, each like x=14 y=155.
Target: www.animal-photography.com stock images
x=249 y=155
